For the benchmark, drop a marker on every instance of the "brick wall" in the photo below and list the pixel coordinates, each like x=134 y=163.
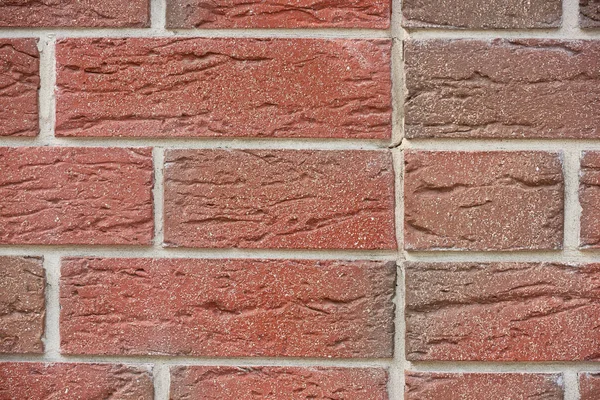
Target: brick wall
x=300 y=200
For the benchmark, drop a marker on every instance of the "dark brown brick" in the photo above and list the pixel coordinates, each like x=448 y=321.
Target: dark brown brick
x=589 y=13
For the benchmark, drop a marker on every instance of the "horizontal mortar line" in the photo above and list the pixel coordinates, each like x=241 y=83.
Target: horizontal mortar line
x=153 y=252
x=502 y=366
x=463 y=144
x=569 y=256
x=308 y=33
x=562 y=34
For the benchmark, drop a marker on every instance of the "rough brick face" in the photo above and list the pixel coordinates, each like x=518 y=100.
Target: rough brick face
x=74 y=13
x=224 y=87
x=589 y=16
x=502 y=312
x=278 y=14
x=279 y=199
x=477 y=14
x=589 y=198
x=232 y=383
x=19 y=82
x=51 y=195
x=502 y=386
x=74 y=381
x=227 y=308
x=483 y=200
x=589 y=386
x=21 y=305
x=502 y=89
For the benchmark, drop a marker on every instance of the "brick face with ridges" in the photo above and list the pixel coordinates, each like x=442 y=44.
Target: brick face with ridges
x=589 y=198
x=232 y=383
x=501 y=386
x=19 y=83
x=227 y=308
x=502 y=312
x=483 y=201
x=589 y=386
x=589 y=16
x=51 y=195
x=22 y=307
x=502 y=89
x=224 y=88
x=279 y=199
x=278 y=14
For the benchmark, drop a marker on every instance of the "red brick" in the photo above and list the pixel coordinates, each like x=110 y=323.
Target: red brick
x=483 y=200
x=589 y=386
x=502 y=89
x=589 y=198
x=279 y=199
x=502 y=312
x=174 y=87
x=227 y=308
x=232 y=383
x=19 y=83
x=589 y=13
x=51 y=195
x=35 y=381
x=21 y=305
x=278 y=14
x=502 y=386
x=75 y=13
x=482 y=14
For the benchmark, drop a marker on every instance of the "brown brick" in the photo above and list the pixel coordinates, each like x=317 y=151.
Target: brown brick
x=232 y=383
x=35 y=381
x=483 y=200
x=279 y=199
x=502 y=89
x=21 y=305
x=227 y=308
x=502 y=386
x=19 y=83
x=502 y=312
x=174 y=87
x=482 y=14
x=51 y=195
x=75 y=13
x=589 y=386
x=589 y=13
x=589 y=198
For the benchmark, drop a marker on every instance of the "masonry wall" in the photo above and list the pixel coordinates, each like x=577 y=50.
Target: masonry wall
x=292 y=200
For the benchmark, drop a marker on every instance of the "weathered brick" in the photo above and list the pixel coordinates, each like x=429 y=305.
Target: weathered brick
x=483 y=200
x=589 y=13
x=21 y=305
x=502 y=88
x=51 y=195
x=501 y=386
x=232 y=383
x=227 y=308
x=279 y=199
x=502 y=312
x=589 y=198
x=76 y=13
x=482 y=14
x=35 y=381
x=19 y=83
x=278 y=14
x=174 y=87
x=589 y=386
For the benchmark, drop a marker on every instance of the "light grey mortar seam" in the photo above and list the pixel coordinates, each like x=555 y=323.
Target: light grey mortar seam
x=51 y=338
x=572 y=208
x=46 y=102
x=158 y=158
x=158 y=15
x=506 y=366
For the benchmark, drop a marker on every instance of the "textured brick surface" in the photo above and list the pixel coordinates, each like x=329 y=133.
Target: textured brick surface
x=502 y=88
x=589 y=16
x=502 y=386
x=79 y=13
x=477 y=14
x=37 y=381
x=589 y=386
x=224 y=87
x=502 y=311
x=278 y=14
x=589 y=198
x=483 y=200
x=21 y=305
x=227 y=308
x=19 y=82
x=232 y=383
x=279 y=199
x=75 y=195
